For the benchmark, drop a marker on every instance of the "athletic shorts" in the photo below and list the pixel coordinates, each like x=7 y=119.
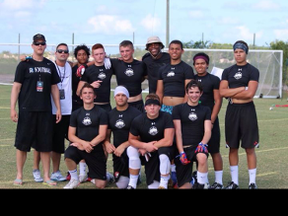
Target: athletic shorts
x=152 y=170
x=214 y=142
x=95 y=160
x=184 y=172
x=241 y=124
x=120 y=165
x=60 y=133
x=34 y=129
x=138 y=104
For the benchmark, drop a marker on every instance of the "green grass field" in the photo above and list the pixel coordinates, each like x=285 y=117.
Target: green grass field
x=271 y=156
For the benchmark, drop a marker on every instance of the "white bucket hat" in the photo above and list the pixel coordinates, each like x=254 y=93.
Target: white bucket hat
x=154 y=39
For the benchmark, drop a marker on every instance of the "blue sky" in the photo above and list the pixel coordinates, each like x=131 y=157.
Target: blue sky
x=111 y=21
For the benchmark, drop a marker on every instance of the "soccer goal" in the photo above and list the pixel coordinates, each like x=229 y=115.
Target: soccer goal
x=269 y=63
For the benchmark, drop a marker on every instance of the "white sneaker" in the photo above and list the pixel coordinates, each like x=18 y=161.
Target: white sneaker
x=82 y=178
x=57 y=176
x=73 y=183
x=37 y=175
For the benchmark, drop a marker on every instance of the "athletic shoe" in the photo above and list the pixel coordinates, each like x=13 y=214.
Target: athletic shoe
x=198 y=186
x=68 y=176
x=216 y=185
x=173 y=178
x=129 y=187
x=252 y=186
x=73 y=183
x=82 y=178
x=110 y=178
x=37 y=175
x=206 y=185
x=232 y=185
x=57 y=176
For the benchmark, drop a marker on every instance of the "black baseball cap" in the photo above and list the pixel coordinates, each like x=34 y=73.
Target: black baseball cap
x=38 y=37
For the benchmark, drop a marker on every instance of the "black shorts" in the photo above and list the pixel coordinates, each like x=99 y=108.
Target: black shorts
x=184 y=172
x=214 y=142
x=60 y=133
x=152 y=170
x=241 y=124
x=95 y=160
x=121 y=165
x=138 y=104
x=34 y=129
x=106 y=107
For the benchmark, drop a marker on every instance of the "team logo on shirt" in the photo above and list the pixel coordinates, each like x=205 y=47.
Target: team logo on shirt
x=238 y=75
x=171 y=74
x=153 y=131
x=87 y=121
x=192 y=116
x=129 y=72
x=120 y=123
x=102 y=76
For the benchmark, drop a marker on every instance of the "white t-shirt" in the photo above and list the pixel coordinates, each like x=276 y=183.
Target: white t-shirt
x=65 y=74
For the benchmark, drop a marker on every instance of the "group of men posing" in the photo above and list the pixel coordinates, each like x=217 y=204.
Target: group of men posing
x=175 y=125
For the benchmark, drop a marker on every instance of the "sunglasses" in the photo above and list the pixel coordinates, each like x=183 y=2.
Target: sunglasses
x=61 y=51
x=40 y=43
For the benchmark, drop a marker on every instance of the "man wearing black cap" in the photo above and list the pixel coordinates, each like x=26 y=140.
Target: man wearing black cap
x=154 y=59
x=239 y=84
x=35 y=81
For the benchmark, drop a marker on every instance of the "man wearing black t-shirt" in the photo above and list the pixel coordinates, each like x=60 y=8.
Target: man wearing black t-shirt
x=35 y=81
x=154 y=59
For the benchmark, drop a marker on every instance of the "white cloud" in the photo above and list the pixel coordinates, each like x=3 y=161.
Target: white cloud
x=151 y=23
x=110 y=24
x=245 y=34
x=266 y=5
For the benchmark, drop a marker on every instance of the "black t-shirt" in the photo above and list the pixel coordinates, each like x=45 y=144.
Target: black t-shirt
x=87 y=123
x=30 y=74
x=174 y=77
x=209 y=83
x=239 y=76
x=151 y=129
x=153 y=66
x=94 y=73
x=192 y=122
x=120 y=123
x=75 y=82
x=131 y=75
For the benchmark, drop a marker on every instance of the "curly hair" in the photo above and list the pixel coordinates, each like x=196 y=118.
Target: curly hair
x=82 y=47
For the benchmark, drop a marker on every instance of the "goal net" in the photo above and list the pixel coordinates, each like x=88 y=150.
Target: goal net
x=268 y=62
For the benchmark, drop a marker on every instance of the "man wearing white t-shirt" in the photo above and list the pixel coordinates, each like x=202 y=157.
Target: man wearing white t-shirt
x=60 y=130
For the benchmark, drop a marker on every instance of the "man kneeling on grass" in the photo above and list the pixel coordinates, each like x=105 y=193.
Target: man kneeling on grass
x=87 y=132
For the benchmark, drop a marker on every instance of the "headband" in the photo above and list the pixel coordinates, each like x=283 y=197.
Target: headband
x=121 y=89
x=201 y=57
x=152 y=101
x=240 y=45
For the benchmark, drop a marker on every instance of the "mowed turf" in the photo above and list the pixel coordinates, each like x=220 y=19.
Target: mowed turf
x=271 y=155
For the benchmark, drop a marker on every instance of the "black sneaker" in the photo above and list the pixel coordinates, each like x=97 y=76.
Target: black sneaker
x=252 y=186
x=232 y=185
x=216 y=185
x=198 y=186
